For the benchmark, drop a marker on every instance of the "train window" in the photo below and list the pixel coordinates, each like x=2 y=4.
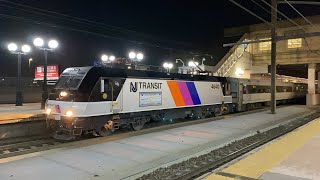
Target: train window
x=70 y=82
x=110 y=91
x=294 y=43
x=253 y=89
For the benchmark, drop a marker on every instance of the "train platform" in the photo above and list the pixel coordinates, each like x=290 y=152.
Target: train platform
x=9 y=113
x=294 y=156
x=131 y=157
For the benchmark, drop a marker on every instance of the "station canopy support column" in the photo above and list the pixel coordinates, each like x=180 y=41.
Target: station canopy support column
x=312 y=97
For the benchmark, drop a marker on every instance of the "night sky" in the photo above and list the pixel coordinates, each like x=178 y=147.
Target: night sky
x=163 y=30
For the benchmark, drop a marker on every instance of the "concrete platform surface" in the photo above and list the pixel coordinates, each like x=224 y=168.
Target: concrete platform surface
x=294 y=156
x=9 y=113
x=126 y=158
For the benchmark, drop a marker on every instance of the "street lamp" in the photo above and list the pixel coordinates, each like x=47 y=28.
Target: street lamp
x=13 y=48
x=168 y=66
x=52 y=44
x=112 y=58
x=139 y=56
x=133 y=56
x=104 y=58
x=177 y=60
x=107 y=59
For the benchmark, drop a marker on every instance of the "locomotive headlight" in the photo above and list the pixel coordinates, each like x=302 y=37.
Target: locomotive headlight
x=63 y=94
x=69 y=113
x=48 y=111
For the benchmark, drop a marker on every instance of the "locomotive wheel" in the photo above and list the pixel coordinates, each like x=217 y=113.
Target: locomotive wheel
x=104 y=131
x=137 y=125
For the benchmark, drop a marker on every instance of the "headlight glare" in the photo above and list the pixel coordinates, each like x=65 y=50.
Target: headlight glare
x=63 y=94
x=69 y=113
x=48 y=111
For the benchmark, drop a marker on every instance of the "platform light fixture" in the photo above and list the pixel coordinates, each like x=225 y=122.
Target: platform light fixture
x=52 y=44
x=168 y=66
x=104 y=58
x=136 y=56
x=139 y=56
x=112 y=58
x=193 y=64
x=12 y=47
x=25 y=49
x=239 y=72
x=132 y=55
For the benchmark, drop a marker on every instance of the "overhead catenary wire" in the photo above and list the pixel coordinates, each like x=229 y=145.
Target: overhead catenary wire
x=87 y=32
x=300 y=14
x=250 y=12
x=282 y=14
x=307 y=44
x=266 y=10
x=84 y=21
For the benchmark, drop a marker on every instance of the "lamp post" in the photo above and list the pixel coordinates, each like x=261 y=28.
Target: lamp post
x=135 y=57
x=168 y=66
x=177 y=60
x=52 y=44
x=13 y=48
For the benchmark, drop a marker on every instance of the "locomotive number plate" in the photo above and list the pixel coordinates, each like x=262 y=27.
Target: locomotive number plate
x=57 y=117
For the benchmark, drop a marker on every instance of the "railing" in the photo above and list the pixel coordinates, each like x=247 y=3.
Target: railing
x=231 y=58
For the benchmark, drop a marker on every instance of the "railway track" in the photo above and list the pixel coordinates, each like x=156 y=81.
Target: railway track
x=26 y=145
x=198 y=166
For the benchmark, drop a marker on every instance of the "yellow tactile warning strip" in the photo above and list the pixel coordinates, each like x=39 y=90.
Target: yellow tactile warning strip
x=14 y=116
x=263 y=160
x=217 y=177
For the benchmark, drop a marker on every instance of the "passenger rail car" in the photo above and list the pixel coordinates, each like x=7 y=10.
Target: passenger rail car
x=100 y=100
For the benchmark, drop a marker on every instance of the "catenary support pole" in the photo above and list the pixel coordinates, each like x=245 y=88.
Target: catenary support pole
x=273 y=55
x=19 y=89
x=44 y=85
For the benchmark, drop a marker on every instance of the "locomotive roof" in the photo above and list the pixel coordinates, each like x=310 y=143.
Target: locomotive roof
x=127 y=73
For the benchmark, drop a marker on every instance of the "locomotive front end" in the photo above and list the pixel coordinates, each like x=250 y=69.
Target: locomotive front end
x=66 y=105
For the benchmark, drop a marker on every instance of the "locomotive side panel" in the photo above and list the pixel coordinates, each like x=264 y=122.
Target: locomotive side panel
x=151 y=94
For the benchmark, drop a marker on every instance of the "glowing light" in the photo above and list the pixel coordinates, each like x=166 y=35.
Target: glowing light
x=112 y=58
x=12 y=47
x=69 y=113
x=193 y=64
x=48 y=111
x=132 y=55
x=139 y=56
x=239 y=72
x=25 y=48
x=38 y=42
x=104 y=58
x=167 y=65
x=63 y=94
x=53 y=44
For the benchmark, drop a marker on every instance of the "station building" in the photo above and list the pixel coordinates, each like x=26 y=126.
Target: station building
x=253 y=60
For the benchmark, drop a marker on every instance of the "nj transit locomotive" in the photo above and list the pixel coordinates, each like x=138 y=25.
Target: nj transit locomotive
x=100 y=100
